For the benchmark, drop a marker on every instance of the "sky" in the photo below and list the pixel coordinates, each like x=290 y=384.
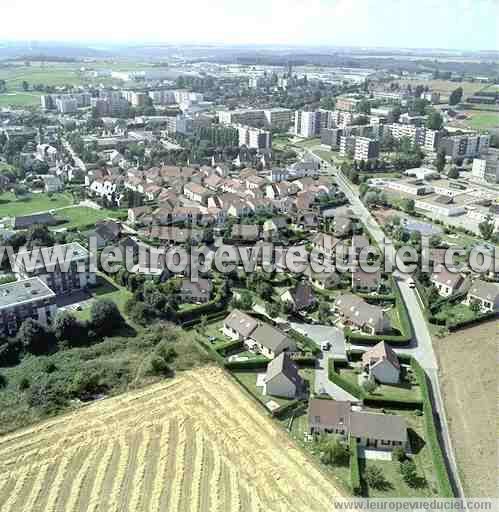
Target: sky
x=446 y=24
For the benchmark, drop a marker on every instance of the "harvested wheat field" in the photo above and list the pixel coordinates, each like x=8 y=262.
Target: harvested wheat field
x=468 y=369
x=192 y=443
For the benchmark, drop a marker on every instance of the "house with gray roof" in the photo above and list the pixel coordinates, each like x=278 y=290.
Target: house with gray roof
x=239 y=325
x=356 y=312
x=269 y=341
x=282 y=378
x=485 y=294
x=370 y=429
x=300 y=298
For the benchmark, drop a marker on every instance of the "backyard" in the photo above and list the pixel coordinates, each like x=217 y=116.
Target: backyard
x=396 y=487
x=405 y=390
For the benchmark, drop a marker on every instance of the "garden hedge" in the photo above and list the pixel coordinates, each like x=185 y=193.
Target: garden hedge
x=337 y=379
x=355 y=482
x=251 y=364
x=444 y=484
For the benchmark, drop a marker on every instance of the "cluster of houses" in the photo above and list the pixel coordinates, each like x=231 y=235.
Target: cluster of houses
x=482 y=293
x=204 y=197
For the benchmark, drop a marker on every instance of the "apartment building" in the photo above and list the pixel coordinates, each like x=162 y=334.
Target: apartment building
x=278 y=118
x=346 y=103
x=254 y=137
x=63 y=268
x=366 y=148
x=307 y=124
x=20 y=300
x=416 y=134
x=246 y=117
x=487 y=167
x=347 y=145
x=465 y=146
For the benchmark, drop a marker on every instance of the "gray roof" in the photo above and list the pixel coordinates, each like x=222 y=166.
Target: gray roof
x=333 y=413
x=388 y=427
x=328 y=412
x=283 y=364
x=27 y=290
x=268 y=336
x=358 y=311
x=484 y=290
x=241 y=322
x=49 y=257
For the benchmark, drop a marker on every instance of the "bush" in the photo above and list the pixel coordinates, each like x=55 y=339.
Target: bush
x=3 y=381
x=354 y=468
x=24 y=384
x=374 y=477
x=398 y=454
x=409 y=473
x=68 y=328
x=333 y=452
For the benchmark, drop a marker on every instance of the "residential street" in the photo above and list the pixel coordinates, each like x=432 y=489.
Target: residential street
x=421 y=348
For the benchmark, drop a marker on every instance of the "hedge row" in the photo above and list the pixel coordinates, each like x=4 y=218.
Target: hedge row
x=355 y=484
x=189 y=324
x=217 y=304
x=453 y=299
x=464 y=323
x=444 y=484
x=307 y=342
x=250 y=364
x=337 y=379
x=278 y=413
x=360 y=339
x=228 y=347
x=473 y=321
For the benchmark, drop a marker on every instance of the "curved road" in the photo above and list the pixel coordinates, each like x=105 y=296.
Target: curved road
x=421 y=347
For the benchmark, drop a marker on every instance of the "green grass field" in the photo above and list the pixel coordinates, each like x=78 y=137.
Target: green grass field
x=56 y=74
x=10 y=206
x=82 y=216
x=20 y=99
x=482 y=120
x=106 y=289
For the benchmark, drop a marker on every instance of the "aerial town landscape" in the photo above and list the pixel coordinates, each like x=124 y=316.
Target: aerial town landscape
x=248 y=276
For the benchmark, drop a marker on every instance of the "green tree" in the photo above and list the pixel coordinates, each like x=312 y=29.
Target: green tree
x=410 y=474
x=68 y=328
x=36 y=338
x=435 y=120
x=105 y=317
x=334 y=452
x=440 y=164
x=25 y=85
x=487 y=227
x=408 y=205
x=456 y=96
x=453 y=173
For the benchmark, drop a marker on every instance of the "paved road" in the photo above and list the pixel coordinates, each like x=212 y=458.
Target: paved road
x=421 y=347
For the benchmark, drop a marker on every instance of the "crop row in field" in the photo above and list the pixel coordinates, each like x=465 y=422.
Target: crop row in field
x=193 y=443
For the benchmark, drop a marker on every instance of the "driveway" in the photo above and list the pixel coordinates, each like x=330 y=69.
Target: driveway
x=320 y=333
x=324 y=385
